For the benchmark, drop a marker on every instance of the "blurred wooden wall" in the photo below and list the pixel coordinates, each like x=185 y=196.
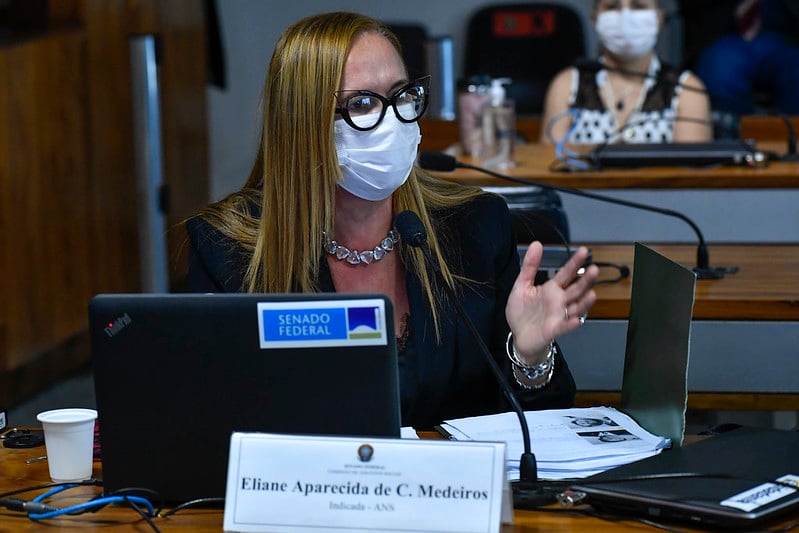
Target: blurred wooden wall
x=68 y=213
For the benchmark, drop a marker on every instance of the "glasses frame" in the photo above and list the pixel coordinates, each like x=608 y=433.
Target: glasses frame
x=391 y=101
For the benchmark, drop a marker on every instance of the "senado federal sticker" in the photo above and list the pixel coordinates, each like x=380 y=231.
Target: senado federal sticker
x=322 y=323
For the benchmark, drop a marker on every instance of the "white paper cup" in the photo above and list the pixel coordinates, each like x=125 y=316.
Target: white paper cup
x=69 y=440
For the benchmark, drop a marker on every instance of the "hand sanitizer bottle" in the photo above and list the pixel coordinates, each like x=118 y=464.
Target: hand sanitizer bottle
x=498 y=127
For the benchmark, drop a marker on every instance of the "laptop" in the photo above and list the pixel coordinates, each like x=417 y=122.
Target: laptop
x=176 y=374
x=736 y=480
x=654 y=389
x=727 y=480
x=692 y=154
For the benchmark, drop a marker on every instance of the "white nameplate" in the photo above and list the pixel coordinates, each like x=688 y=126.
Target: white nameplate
x=299 y=484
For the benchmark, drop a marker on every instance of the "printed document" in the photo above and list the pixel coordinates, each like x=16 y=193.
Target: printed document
x=567 y=443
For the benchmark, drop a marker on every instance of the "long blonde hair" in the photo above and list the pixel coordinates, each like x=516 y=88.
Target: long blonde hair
x=296 y=170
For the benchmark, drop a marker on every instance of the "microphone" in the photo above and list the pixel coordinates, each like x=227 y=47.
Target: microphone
x=791 y=154
x=592 y=66
x=441 y=162
x=526 y=490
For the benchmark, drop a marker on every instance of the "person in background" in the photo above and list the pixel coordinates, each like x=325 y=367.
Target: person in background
x=629 y=95
x=740 y=48
x=335 y=166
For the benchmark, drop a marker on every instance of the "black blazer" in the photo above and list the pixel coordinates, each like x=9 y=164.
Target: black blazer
x=438 y=381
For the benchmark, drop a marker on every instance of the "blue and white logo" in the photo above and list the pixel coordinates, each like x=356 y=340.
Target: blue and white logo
x=322 y=323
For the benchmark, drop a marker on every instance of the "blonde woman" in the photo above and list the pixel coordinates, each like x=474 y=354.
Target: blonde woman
x=335 y=166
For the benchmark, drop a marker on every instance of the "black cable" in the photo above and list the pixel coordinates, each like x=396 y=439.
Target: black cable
x=790 y=154
x=624 y=272
x=39 y=510
x=147 y=518
x=192 y=503
x=24 y=506
x=137 y=491
x=86 y=482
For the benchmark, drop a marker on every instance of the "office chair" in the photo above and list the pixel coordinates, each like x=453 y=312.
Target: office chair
x=527 y=42
x=536 y=214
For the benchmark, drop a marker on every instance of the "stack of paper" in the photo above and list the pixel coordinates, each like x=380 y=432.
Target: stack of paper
x=567 y=443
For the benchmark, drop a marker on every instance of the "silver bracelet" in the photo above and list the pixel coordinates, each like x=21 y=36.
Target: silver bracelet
x=533 y=373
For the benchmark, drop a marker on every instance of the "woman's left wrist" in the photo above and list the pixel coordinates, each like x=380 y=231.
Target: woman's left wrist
x=531 y=376
x=524 y=359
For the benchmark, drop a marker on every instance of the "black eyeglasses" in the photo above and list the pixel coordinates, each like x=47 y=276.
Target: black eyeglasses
x=364 y=110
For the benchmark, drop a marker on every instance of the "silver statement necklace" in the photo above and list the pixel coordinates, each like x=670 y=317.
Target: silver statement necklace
x=354 y=257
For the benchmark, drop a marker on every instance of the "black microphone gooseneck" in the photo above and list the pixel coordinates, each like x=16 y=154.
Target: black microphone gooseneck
x=441 y=162
x=791 y=154
x=526 y=490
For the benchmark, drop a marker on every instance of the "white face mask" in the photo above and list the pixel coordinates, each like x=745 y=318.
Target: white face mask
x=374 y=163
x=628 y=33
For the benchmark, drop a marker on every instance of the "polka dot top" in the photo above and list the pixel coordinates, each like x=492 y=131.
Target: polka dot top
x=652 y=119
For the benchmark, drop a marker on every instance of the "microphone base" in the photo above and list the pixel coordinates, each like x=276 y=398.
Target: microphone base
x=714 y=272
x=532 y=494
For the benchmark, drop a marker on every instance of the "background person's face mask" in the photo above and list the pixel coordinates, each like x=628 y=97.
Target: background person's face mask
x=376 y=162
x=628 y=33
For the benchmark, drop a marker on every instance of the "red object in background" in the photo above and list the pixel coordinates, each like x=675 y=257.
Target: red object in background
x=96 y=441
x=534 y=23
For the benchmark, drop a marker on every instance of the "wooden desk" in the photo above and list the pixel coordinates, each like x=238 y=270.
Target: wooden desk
x=766 y=286
x=754 y=204
x=744 y=338
x=534 y=160
x=438 y=134
x=17 y=475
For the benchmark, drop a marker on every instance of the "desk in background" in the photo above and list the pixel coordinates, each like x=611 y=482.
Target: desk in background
x=438 y=134
x=744 y=339
x=533 y=162
x=729 y=203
